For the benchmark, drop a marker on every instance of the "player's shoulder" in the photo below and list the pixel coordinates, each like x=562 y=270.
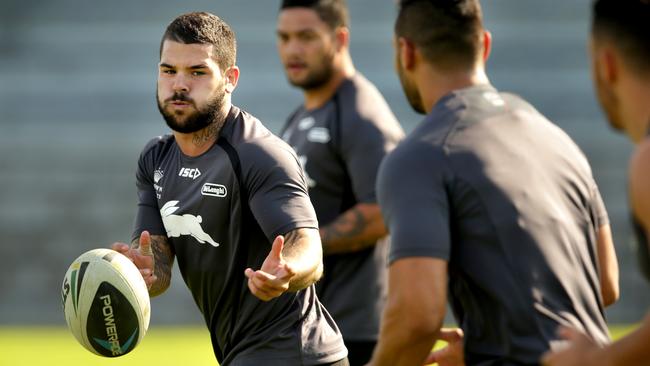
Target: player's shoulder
x=254 y=143
x=414 y=155
x=360 y=101
x=157 y=146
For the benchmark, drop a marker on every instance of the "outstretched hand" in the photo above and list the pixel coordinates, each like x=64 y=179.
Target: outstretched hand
x=141 y=255
x=452 y=354
x=272 y=280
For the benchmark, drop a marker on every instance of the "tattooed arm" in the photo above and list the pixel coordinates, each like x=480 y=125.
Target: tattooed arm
x=154 y=257
x=294 y=263
x=356 y=229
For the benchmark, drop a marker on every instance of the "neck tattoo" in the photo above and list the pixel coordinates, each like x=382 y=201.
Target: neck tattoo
x=208 y=134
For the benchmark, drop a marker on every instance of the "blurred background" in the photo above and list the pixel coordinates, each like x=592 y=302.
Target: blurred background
x=77 y=89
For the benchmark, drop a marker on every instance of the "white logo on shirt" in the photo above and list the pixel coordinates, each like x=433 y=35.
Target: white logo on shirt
x=319 y=134
x=157 y=175
x=306 y=123
x=177 y=225
x=494 y=98
x=213 y=189
x=303 y=163
x=189 y=173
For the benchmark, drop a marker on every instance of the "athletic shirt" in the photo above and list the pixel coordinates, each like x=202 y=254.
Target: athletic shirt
x=488 y=184
x=221 y=211
x=340 y=146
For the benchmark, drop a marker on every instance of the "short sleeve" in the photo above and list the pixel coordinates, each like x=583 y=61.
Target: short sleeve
x=364 y=144
x=147 y=215
x=276 y=186
x=411 y=189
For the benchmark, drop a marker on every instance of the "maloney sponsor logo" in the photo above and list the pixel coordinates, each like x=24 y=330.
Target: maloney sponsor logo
x=213 y=189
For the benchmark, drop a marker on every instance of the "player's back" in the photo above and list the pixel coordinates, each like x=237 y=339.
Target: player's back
x=522 y=218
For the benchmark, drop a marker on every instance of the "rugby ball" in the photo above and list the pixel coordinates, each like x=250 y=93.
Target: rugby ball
x=105 y=302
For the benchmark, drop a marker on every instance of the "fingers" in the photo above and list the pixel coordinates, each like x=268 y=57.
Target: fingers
x=434 y=356
x=149 y=277
x=451 y=335
x=142 y=257
x=452 y=353
x=276 y=248
x=120 y=247
x=145 y=243
x=265 y=286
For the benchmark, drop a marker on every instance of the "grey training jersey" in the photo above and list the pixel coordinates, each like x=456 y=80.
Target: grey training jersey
x=490 y=185
x=221 y=211
x=340 y=146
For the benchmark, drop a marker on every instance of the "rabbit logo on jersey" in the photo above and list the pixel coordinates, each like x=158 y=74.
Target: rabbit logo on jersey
x=177 y=225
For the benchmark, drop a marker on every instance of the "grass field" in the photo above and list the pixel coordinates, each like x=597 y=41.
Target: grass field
x=161 y=347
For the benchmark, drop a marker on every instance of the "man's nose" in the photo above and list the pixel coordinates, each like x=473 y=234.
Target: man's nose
x=180 y=84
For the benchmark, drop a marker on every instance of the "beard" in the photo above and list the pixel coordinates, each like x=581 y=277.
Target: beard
x=317 y=76
x=195 y=121
x=410 y=90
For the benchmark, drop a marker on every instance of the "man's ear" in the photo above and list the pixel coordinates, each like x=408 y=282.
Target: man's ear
x=342 y=38
x=406 y=53
x=232 y=77
x=487 y=45
x=609 y=64
x=605 y=61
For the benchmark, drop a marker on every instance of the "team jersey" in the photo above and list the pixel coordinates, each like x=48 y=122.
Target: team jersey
x=340 y=146
x=488 y=184
x=221 y=211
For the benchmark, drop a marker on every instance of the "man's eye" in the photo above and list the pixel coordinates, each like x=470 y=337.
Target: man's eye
x=307 y=36
x=168 y=71
x=198 y=73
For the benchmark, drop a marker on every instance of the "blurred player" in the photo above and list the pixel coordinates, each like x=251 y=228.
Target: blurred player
x=227 y=199
x=620 y=51
x=487 y=200
x=341 y=133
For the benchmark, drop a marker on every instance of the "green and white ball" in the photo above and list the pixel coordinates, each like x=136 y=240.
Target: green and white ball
x=106 y=302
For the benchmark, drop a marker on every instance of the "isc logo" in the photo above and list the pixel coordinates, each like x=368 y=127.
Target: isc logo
x=189 y=173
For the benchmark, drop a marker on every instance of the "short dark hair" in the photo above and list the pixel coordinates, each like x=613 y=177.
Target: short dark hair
x=448 y=32
x=204 y=28
x=627 y=24
x=333 y=12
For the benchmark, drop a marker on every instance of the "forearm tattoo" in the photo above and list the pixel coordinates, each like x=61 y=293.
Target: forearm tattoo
x=348 y=226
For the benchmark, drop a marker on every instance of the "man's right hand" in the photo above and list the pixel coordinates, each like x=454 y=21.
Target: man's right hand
x=141 y=255
x=452 y=354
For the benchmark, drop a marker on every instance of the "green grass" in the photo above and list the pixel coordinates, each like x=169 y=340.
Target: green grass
x=162 y=346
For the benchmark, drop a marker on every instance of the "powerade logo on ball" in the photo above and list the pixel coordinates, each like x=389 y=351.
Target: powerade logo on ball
x=112 y=322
